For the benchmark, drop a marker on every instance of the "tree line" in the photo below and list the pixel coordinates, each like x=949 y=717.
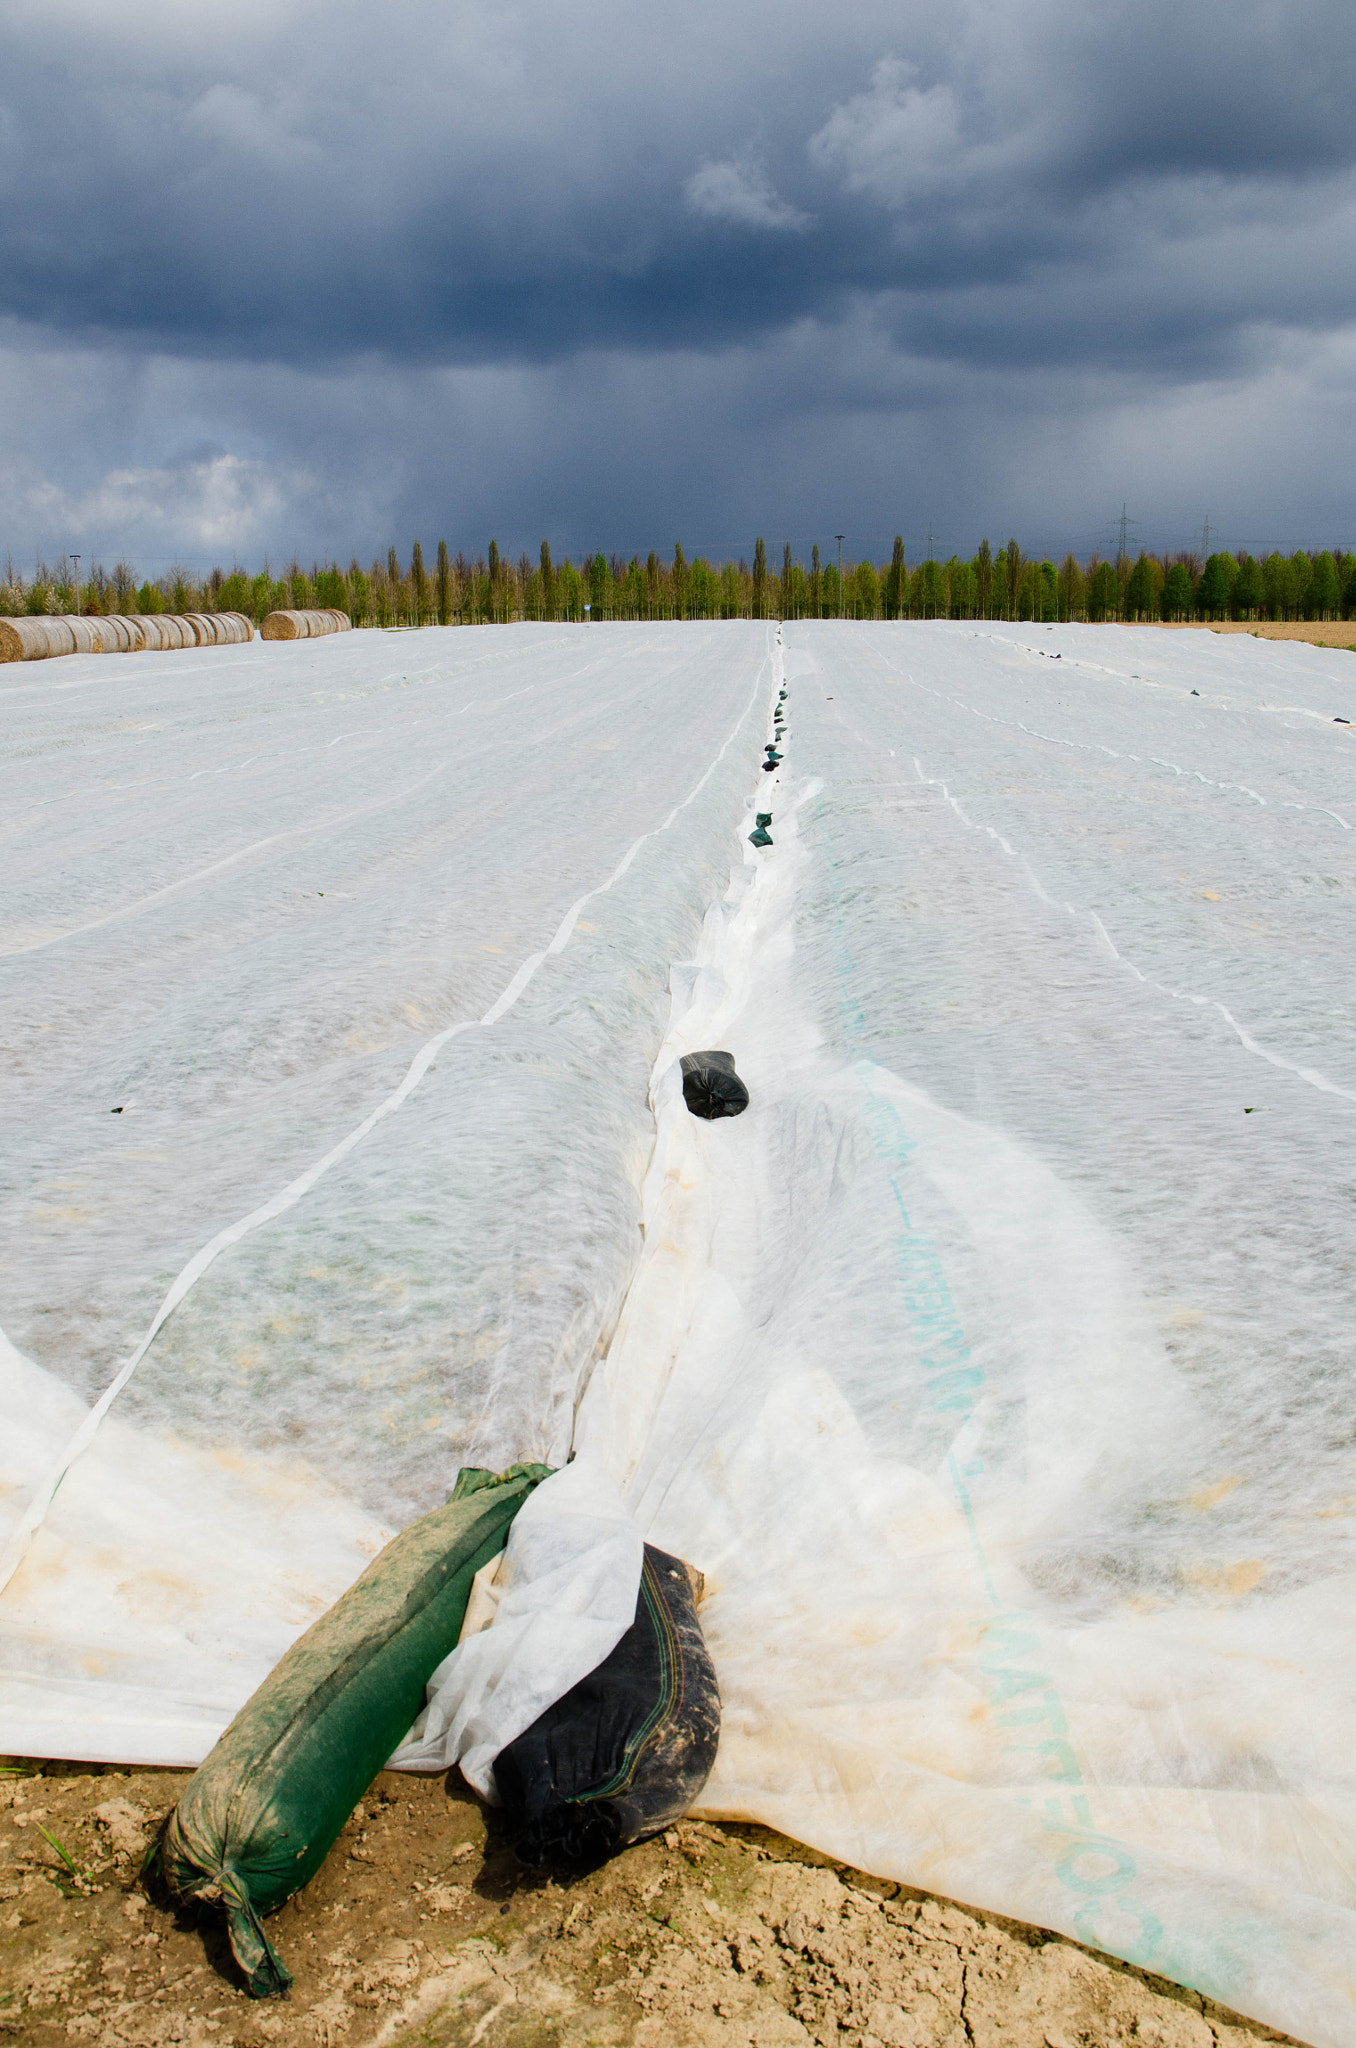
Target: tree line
x=492 y=589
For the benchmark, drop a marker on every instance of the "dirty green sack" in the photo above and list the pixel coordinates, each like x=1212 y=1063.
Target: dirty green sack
x=263 y=1811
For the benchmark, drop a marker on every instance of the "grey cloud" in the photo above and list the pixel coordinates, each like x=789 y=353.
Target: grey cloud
x=738 y=190
x=329 y=269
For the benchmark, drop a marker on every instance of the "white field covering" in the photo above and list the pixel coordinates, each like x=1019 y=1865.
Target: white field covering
x=995 y=1366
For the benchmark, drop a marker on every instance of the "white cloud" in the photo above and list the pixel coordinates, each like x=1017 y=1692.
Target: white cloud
x=896 y=141
x=737 y=189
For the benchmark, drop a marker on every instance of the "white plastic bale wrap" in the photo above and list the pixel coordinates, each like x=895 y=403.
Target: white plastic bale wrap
x=236 y=919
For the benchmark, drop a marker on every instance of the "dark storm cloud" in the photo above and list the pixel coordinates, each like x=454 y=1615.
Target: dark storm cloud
x=634 y=262
x=465 y=184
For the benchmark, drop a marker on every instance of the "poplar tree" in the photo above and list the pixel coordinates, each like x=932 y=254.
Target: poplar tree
x=1325 y=597
x=1247 y=590
x=816 y=584
x=984 y=580
x=1141 y=597
x=1214 y=592
x=896 y=582
x=548 y=582
x=1178 y=595
x=1013 y=572
x=680 y=581
x=1104 y=592
x=759 y=579
x=444 y=585
x=786 y=581
x=420 y=583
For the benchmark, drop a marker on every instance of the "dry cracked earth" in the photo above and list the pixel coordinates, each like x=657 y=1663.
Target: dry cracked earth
x=421 y=1929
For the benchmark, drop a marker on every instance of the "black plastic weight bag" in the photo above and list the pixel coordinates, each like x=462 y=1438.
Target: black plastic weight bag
x=711 y=1087
x=627 y=1750
x=261 y=1814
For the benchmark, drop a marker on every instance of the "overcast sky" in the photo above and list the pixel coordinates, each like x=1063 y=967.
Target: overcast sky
x=282 y=275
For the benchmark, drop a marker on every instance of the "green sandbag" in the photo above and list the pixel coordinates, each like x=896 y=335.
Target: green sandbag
x=262 y=1813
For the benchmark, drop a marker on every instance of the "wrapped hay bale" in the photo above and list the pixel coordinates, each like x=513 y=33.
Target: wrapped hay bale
x=304 y=625
x=161 y=632
x=116 y=635
x=221 y=629
x=36 y=639
x=39 y=638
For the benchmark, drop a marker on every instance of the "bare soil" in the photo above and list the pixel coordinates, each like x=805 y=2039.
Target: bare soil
x=1318 y=632
x=420 y=1928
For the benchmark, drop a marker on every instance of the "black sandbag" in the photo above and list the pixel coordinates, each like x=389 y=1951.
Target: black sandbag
x=629 y=1748
x=760 y=836
x=711 y=1087
x=258 y=1818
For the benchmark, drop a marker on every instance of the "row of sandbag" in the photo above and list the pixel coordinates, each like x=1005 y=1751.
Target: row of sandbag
x=622 y=1752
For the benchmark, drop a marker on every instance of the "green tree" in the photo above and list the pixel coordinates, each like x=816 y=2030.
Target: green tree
x=1047 y=592
x=1104 y=592
x=1325 y=594
x=830 y=594
x=1073 y=588
x=759 y=579
x=597 y=576
x=984 y=581
x=865 y=591
x=680 y=582
x=927 y=592
x=418 y=583
x=1275 y=585
x=1141 y=592
x=571 y=591
x=331 y=591
x=1247 y=591
x=816 y=584
x=548 y=582
x=785 y=593
x=895 y=594
x=233 y=594
x=1012 y=570
x=442 y=586
x=1214 y=592
x=1300 y=575
x=960 y=577
x=1178 y=596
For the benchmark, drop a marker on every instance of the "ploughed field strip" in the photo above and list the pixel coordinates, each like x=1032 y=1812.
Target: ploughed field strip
x=904 y=1181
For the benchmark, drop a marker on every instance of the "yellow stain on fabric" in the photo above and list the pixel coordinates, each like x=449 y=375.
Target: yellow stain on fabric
x=1211 y=1496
